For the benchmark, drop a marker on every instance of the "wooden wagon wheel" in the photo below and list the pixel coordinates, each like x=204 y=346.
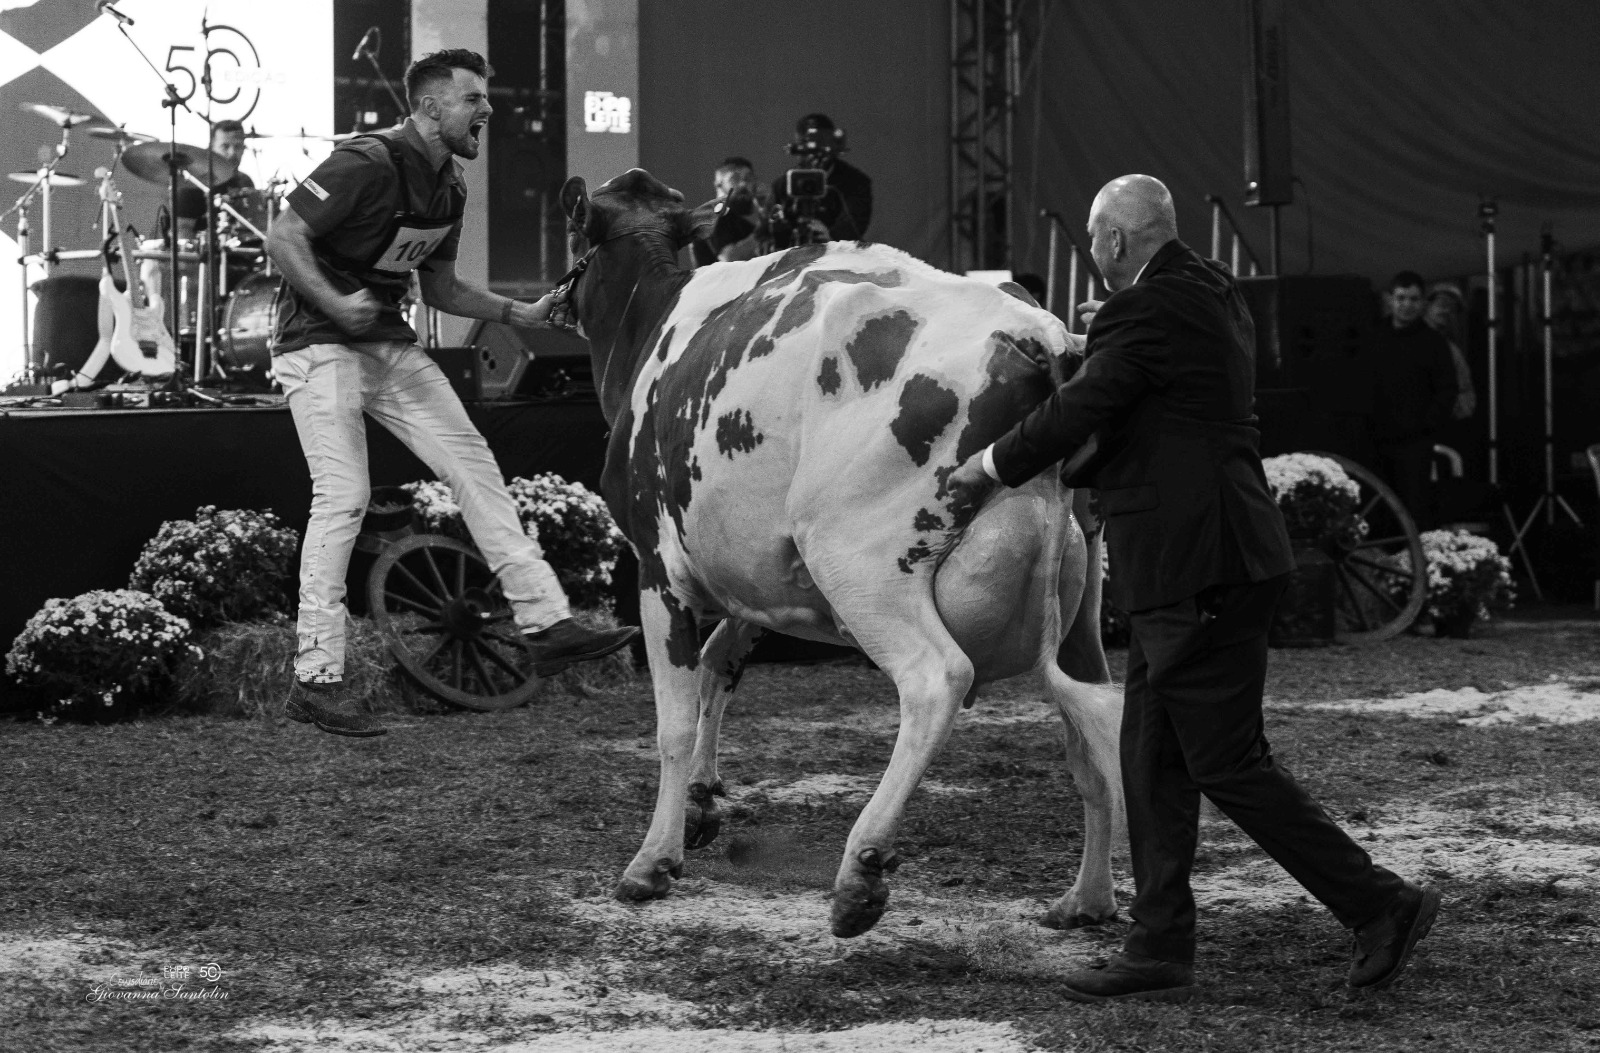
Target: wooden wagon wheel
x=447 y=622
x=1382 y=575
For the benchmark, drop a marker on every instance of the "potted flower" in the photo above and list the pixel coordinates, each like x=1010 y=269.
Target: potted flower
x=1467 y=578
x=570 y=522
x=96 y=656
x=220 y=566
x=1321 y=507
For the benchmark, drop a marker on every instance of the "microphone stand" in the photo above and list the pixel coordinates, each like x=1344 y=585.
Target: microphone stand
x=372 y=57
x=173 y=100
x=33 y=372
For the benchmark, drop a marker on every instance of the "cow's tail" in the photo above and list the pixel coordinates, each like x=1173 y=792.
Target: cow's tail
x=1082 y=654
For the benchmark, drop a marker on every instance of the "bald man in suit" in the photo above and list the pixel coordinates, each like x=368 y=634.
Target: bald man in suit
x=1159 y=420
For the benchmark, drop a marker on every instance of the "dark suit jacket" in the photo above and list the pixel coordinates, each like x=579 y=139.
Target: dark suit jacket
x=1415 y=382
x=1167 y=391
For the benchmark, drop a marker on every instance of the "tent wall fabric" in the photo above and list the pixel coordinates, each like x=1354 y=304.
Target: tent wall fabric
x=1403 y=114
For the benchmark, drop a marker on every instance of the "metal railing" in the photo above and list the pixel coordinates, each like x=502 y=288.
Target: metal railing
x=1080 y=268
x=1219 y=212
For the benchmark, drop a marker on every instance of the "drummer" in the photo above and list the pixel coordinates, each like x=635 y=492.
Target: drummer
x=227 y=142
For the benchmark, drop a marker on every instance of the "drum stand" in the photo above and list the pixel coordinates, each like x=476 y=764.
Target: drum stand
x=1549 y=500
x=36 y=372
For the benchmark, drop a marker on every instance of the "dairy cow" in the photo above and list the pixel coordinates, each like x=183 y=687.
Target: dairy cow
x=781 y=433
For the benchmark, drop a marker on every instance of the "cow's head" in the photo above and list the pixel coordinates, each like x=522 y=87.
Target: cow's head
x=633 y=201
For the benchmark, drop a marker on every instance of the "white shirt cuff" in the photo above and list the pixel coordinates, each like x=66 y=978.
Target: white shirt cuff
x=988 y=464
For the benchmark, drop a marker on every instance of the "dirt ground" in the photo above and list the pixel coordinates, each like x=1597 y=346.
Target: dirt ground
x=205 y=883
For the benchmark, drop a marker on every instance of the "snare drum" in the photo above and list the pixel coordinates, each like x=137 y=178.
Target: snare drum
x=245 y=349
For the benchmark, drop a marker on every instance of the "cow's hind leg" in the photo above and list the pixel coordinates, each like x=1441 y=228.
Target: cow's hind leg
x=721 y=665
x=933 y=675
x=1093 y=716
x=673 y=645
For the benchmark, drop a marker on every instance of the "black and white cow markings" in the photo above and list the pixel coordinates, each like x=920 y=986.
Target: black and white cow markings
x=926 y=409
x=878 y=346
x=736 y=433
x=828 y=378
x=802 y=306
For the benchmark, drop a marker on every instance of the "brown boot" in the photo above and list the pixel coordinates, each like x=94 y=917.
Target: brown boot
x=567 y=642
x=331 y=708
x=1129 y=977
x=1384 y=944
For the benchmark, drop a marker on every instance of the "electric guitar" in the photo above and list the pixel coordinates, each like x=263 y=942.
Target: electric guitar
x=130 y=323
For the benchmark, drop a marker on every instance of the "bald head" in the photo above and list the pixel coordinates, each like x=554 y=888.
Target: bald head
x=1131 y=218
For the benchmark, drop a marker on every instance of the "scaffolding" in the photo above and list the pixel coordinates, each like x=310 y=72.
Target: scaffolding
x=985 y=82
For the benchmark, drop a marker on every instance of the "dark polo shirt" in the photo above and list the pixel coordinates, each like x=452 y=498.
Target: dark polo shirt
x=349 y=202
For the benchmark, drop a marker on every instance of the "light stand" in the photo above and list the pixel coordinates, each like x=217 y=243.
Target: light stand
x=1487 y=210
x=1549 y=500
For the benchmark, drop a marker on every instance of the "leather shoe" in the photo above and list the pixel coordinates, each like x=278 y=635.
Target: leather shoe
x=566 y=642
x=1129 y=977
x=331 y=708
x=1384 y=944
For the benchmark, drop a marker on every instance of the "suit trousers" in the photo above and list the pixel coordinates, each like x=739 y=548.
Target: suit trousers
x=329 y=387
x=1192 y=724
x=1407 y=466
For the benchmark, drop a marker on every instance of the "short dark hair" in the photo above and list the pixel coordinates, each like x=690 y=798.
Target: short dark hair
x=1405 y=280
x=730 y=163
x=223 y=127
x=441 y=65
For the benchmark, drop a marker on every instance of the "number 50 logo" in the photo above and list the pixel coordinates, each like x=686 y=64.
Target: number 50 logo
x=230 y=72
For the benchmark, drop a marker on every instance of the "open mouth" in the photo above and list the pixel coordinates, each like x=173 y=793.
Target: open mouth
x=476 y=129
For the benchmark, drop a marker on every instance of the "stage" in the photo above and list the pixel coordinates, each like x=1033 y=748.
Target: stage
x=86 y=489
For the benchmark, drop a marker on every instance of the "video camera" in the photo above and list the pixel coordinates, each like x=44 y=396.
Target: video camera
x=816 y=143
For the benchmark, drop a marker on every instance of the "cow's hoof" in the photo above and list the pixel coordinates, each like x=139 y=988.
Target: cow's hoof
x=860 y=900
x=656 y=885
x=1068 y=917
x=702 y=818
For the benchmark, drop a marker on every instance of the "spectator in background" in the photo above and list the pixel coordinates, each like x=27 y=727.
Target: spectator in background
x=1445 y=313
x=1415 y=393
x=742 y=231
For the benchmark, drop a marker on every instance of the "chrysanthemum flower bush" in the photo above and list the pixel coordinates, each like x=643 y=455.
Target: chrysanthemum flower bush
x=1467 y=576
x=100 y=653
x=220 y=566
x=1318 y=498
x=570 y=522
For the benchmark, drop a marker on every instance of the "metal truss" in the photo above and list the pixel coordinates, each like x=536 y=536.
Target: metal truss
x=985 y=81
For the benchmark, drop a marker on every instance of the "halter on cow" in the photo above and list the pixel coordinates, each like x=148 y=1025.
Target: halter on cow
x=781 y=432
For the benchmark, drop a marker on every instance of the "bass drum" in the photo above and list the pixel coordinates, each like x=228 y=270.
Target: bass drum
x=245 y=349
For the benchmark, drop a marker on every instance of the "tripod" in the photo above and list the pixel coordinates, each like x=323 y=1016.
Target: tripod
x=1549 y=500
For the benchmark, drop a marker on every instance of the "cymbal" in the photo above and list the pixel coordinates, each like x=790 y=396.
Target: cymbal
x=65 y=118
x=120 y=135
x=149 y=161
x=337 y=137
x=56 y=178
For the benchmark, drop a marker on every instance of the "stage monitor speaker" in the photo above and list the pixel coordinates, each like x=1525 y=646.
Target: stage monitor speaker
x=1267 y=176
x=518 y=363
x=460 y=365
x=1313 y=332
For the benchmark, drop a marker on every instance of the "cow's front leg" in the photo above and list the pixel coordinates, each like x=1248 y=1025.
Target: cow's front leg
x=932 y=680
x=721 y=665
x=672 y=642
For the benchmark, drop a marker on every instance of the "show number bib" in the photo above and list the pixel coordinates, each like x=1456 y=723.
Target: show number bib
x=410 y=244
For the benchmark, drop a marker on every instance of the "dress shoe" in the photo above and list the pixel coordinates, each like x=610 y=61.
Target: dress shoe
x=1384 y=944
x=1129 y=977
x=331 y=708
x=567 y=642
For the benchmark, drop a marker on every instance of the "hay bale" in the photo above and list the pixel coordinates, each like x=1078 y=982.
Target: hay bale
x=244 y=671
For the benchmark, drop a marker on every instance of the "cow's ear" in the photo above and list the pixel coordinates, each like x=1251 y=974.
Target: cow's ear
x=575 y=203
x=696 y=223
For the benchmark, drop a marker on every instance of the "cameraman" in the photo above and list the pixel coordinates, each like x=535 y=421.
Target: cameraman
x=844 y=208
x=742 y=231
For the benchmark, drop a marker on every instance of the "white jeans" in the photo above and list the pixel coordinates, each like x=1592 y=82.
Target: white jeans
x=329 y=386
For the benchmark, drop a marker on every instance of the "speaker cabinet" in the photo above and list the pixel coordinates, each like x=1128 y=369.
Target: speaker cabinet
x=460 y=365
x=526 y=363
x=1267 y=176
x=1313 y=333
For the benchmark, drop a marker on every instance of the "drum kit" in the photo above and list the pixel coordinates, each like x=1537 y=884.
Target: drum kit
x=225 y=286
